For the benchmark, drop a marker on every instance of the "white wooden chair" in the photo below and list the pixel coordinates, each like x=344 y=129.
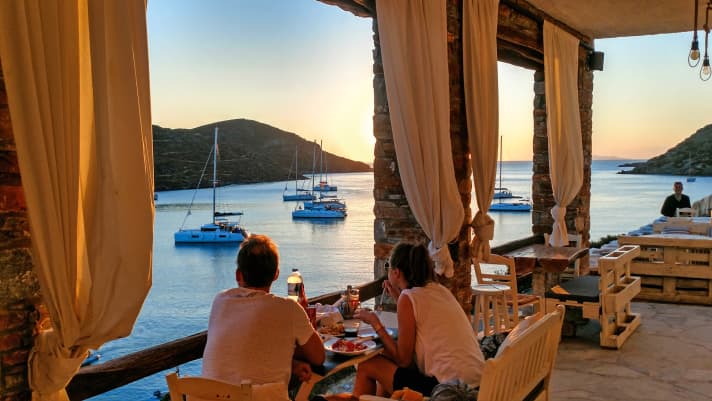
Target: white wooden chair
x=575 y=241
x=524 y=367
x=504 y=272
x=206 y=389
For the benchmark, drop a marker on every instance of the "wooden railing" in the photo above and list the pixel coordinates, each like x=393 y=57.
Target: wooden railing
x=97 y=379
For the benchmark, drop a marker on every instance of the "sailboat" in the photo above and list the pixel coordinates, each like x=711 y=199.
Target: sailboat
x=323 y=174
x=325 y=208
x=689 y=169
x=522 y=205
x=221 y=230
x=300 y=194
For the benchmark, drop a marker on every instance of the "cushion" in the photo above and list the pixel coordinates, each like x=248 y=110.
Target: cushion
x=676 y=230
x=581 y=289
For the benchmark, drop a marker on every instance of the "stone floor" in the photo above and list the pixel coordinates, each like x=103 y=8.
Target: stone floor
x=669 y=357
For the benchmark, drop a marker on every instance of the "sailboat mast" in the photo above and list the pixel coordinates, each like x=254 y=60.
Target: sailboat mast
x=500 y=162
x=215 y=168
x=321 y=162
x=313 y=167
x=296 y=168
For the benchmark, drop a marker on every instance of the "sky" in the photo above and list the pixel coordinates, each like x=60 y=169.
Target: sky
x=306 y=67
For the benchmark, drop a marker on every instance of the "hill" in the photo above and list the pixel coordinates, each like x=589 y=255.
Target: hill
x=249 y=152
x=693 y=156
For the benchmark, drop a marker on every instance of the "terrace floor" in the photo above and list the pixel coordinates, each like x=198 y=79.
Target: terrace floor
x=669 y=357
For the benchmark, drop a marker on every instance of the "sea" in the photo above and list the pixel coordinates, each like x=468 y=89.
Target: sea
x=329 y=254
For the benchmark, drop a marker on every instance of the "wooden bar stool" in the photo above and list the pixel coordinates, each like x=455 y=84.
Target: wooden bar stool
x=490 y=309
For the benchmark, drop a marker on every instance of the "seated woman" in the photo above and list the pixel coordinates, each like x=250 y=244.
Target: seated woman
x=436 y=343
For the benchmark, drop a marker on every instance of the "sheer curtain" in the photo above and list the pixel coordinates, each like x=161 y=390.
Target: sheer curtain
x=563 y=124
x=413 y=35
x=480 y=19
x=76 y=73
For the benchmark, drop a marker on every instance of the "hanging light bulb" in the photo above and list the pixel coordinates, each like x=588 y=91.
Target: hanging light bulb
x=694 y=57
x=706 y=71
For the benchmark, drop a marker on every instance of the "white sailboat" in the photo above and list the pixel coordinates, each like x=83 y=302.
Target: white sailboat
x=323 y=185
x=300 y=194
x=325 y=207
x=221 y=230
x=522 y=205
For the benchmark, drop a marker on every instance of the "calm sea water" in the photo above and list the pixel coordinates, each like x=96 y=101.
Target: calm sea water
x=328 y=254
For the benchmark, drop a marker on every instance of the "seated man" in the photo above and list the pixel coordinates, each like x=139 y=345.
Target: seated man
x=675 y=201
x=253 y=334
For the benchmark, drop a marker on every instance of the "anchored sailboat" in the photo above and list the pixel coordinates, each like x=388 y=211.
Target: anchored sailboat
x=221 y=230
x=522 y=205
x=300 y=194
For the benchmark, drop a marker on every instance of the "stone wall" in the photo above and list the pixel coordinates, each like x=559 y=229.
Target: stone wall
x=19 y=288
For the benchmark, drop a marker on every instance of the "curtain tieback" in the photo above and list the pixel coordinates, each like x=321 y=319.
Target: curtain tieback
x=483 y=226
x=441 y=259
x=52 y=365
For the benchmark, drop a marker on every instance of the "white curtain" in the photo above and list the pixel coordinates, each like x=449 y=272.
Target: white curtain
x=413 y=35
x=479 y=32
x=76 y=73
x=563 y=124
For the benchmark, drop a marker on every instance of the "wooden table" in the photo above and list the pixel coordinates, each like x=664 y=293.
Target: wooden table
x=335 y=362
x=545 y=263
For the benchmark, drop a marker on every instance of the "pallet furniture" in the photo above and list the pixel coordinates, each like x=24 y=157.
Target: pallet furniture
x=684 y=225
x=523 y=369
x=207 y=389
x=545 y=263
x=673 y=267
x=605 y=298
x=497 y=269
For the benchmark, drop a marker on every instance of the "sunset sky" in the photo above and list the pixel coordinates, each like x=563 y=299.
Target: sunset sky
x=306 y=67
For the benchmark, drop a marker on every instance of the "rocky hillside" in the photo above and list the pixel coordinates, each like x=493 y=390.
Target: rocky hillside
x=693 y=157
x=249 y=152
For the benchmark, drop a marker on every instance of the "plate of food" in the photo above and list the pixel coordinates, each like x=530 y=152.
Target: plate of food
x=348 y=347
x=334 y=330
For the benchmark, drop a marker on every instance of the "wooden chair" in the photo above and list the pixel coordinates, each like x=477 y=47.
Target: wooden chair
x=523 y=369
x=575 y=241
x=206 y=389
x=605 y=298
x=504 y=272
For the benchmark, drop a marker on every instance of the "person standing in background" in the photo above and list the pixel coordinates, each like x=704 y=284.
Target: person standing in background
x=675 y=201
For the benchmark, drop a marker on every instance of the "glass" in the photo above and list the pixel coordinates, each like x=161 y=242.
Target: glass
x=351 y=328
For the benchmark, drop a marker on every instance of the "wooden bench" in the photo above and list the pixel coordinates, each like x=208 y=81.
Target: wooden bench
x=699 y=226
x=673 y=267
x=605 y=298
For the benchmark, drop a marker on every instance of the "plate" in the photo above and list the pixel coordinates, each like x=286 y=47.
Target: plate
x=368 y=331
x=328 y=345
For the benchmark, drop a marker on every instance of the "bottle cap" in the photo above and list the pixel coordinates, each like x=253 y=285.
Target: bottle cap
x=295 y=270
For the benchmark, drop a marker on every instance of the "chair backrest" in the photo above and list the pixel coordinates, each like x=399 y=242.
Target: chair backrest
x=499 y=269
x=526 y=364
x=685 y=212
x=207 y=389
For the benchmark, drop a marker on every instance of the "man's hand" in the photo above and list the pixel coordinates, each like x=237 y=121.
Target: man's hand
x=301 y=370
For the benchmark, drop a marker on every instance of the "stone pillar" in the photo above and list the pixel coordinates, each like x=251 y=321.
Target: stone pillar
x=394 y=220
x=542 y=196
x=19 y=289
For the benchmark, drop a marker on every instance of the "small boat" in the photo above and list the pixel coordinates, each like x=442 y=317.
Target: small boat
x=319 y=211
x=221 y=230
x=300 y=194
x=517 y=206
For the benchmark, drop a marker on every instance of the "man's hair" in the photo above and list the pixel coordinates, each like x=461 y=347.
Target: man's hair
x=677 y=183
x=258 y=260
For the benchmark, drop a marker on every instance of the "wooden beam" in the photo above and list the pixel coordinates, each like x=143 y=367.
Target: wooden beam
x=359 y=8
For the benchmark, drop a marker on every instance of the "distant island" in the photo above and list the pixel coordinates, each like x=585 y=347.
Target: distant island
x=249 y=152
x=692 y=157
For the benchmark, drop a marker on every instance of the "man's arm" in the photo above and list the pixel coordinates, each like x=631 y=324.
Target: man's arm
x=312 y=351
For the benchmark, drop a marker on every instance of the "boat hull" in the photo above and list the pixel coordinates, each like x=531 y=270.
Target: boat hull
x=510 y=207
x=298 y=197
x=318 y=214
x=211 y=234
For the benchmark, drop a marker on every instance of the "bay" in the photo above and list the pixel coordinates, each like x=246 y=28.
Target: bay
x=329 y=255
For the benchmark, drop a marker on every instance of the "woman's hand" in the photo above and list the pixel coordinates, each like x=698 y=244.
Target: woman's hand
x=366 y=316
x=391 y=290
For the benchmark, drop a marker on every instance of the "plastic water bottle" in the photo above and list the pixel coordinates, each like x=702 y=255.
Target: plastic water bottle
x=295 y=283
